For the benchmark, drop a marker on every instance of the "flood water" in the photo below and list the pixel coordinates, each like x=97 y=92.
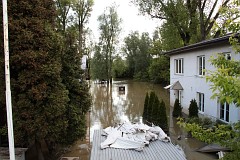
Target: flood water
x=111 y=106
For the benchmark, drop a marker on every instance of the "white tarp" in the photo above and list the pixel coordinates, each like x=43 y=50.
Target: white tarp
x=132 y=136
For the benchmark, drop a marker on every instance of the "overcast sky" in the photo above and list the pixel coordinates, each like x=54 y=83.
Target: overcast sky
x=129 y=14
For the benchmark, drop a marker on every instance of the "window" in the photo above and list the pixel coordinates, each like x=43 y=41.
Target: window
x=200 y=98
x=201 y=65
x=228 y=56
x=224 y=112
x=179 y=66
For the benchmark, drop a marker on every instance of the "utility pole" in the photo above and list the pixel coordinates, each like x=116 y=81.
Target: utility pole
x=7 y=79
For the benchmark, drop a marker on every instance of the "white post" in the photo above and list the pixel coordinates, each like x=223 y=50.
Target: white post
x=7 y=76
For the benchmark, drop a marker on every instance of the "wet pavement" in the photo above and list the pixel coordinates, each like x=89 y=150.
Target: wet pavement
x=112 y=104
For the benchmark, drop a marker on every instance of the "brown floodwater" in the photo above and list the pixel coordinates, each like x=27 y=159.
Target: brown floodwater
x=111 y=106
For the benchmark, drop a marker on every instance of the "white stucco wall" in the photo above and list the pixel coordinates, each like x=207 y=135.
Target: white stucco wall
x=84 y=62
x=192 y=83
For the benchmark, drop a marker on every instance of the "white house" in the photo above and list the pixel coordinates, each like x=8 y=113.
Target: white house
x=188 y=81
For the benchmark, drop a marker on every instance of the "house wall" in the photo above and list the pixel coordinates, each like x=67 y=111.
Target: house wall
x=84 y=62
x=192 y=83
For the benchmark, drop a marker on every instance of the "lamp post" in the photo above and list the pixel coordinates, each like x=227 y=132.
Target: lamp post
x=7 y=79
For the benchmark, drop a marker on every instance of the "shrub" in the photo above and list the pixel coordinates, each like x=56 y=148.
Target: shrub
x=151 y=102
x=193 y=109
x=163 y=123
x=177 y=109
x=145 y=109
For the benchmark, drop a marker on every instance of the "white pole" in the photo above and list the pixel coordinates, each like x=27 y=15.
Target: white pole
x=7 y=76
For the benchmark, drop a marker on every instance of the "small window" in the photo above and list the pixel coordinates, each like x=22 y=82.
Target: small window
x=228 y=56
x=224 y=112
x=200 y=98
x=201 y=65
x=179 y=66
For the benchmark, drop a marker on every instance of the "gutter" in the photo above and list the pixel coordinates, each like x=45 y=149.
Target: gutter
x=201 y=44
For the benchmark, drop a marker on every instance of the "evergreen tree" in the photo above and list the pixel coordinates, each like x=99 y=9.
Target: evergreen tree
x=177 y=109
x=38 y=95
x=163 y=122
x=145 y=109
x=79 y=98
x=155 y=114
x=152 y=99
x=193 y=109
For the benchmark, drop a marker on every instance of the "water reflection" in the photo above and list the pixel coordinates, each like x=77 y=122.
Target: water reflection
x=111 y=106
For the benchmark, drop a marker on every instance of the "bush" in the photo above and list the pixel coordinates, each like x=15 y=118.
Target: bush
x=193 y=109
x=177 y=109
x=155 y=111
x=145 y=109
x=151 y=102
x=163 y=123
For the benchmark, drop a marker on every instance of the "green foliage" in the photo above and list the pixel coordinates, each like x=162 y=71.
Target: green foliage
x=49 y=101
x=137 y=50
x=225 y=79
x=152 y=99
x=98 y=65
x=177 y=109
x=38 y=95
x=225 y=135
x=161 y=119
x=193 y=109
x=109 y=27
x=79 y=98
x=155 y=111
x=119 y=68
x=170 y=37
x=186 y=22
x=145 y=108
x=159 y=70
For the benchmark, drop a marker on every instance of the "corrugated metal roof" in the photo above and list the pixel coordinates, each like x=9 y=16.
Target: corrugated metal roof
x=157 y=150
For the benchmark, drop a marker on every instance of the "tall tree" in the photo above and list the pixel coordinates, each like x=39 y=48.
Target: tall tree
x=109 y=27
x=137 y=51
x=82 y=10
x=79 y=98
x=98 y=65
x=72 y=74
x=38 y=94
x=63 y=8
x=186 y=15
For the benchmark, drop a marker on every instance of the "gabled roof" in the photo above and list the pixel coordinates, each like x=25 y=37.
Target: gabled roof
x=224 y=39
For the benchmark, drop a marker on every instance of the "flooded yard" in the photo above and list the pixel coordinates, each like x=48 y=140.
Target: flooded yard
x=111 y=106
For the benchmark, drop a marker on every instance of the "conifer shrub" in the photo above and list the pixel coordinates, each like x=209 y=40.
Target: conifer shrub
x=145 y=109
x=156 y=112
x=193 y=109
x=151 y=102
x=163 y=122
x=177 y=109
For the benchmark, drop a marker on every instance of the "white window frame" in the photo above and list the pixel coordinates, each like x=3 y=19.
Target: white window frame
x=201 y=65
x=224 y=111
x=178 y=66
x=201 y=101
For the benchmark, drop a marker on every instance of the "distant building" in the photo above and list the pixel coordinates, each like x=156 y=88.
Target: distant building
x=84 y=62
x=188 y=81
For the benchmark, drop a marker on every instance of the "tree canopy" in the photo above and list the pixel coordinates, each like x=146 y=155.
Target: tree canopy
x=193 y=20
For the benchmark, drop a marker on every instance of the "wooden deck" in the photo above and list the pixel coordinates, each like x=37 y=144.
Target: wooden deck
x=157 y=150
